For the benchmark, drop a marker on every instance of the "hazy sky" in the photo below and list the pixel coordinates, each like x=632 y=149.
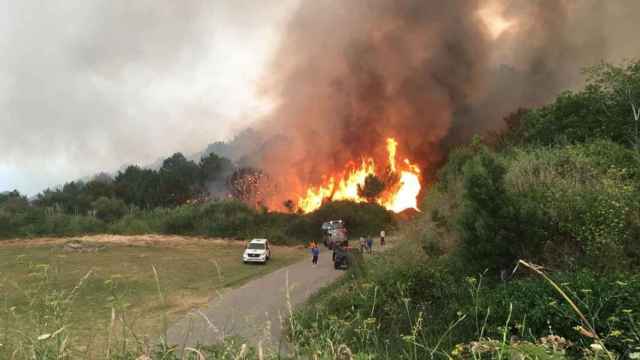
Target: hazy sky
x=89 y=85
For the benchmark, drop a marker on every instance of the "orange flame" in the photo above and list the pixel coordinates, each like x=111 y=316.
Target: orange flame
x=401 y=191
x=392 y=147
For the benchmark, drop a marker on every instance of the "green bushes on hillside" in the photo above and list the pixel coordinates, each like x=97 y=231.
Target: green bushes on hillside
x=568 y=206
x=424 y=310
x=607 y=108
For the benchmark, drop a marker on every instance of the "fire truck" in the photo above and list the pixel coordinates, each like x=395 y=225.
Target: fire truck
x=334 y=232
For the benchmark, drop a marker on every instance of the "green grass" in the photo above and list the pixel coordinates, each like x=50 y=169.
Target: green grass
x=190 y=272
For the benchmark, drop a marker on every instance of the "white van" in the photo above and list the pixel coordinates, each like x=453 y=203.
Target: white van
x=257 y=250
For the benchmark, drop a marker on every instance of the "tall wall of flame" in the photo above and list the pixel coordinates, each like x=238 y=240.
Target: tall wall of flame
x=429 y=73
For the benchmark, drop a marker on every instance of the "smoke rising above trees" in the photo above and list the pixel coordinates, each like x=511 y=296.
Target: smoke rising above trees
x=128 y=83
x=349 y=74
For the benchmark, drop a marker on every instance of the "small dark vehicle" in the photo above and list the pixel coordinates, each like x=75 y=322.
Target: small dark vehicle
x=341 y=256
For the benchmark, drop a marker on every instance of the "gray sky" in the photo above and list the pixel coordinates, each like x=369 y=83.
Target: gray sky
x=89 y=85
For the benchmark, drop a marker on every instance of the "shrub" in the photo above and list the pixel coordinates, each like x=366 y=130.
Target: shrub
x=132 y=225
x=109 y=209
x=584 y=197
x=180 y=220
x=361 y=219
x=226 y=219
x=488 y=218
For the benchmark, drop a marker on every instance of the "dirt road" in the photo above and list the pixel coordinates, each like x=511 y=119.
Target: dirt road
x=256 y=310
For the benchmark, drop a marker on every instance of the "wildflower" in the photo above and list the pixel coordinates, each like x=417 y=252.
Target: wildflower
x=615 y=333
x=554 y=342
x=596 y=347
x=458 y=350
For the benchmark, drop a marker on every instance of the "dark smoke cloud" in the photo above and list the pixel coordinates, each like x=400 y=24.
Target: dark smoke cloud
x=429 y=72
x=88 y=86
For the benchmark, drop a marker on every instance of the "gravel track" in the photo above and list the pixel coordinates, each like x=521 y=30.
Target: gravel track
x=256 y=310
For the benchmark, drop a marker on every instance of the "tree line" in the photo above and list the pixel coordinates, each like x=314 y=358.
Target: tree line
x=177 y=182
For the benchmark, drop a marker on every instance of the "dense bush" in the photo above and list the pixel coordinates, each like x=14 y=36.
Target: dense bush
x=361 y=219
x=587 y=199
x=394 y=305
x=490 y=225
x=109 y=209
x=567 y=206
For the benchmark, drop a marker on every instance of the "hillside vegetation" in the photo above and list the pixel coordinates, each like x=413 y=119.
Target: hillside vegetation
x=558 y=189
x=230 y=218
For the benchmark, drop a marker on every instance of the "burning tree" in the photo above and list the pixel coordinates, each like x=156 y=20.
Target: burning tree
x=395 y=186
x=372 y=188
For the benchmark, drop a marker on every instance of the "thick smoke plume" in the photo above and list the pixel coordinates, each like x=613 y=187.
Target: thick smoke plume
x=430 y=73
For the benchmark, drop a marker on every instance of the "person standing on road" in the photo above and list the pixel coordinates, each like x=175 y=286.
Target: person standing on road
x=370 y=243
x=382 y=235
x=315 y=252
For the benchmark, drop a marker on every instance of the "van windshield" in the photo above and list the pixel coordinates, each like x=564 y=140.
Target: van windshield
x=256 y=246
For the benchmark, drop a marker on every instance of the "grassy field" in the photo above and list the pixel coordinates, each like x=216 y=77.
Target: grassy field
x=121 y=277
